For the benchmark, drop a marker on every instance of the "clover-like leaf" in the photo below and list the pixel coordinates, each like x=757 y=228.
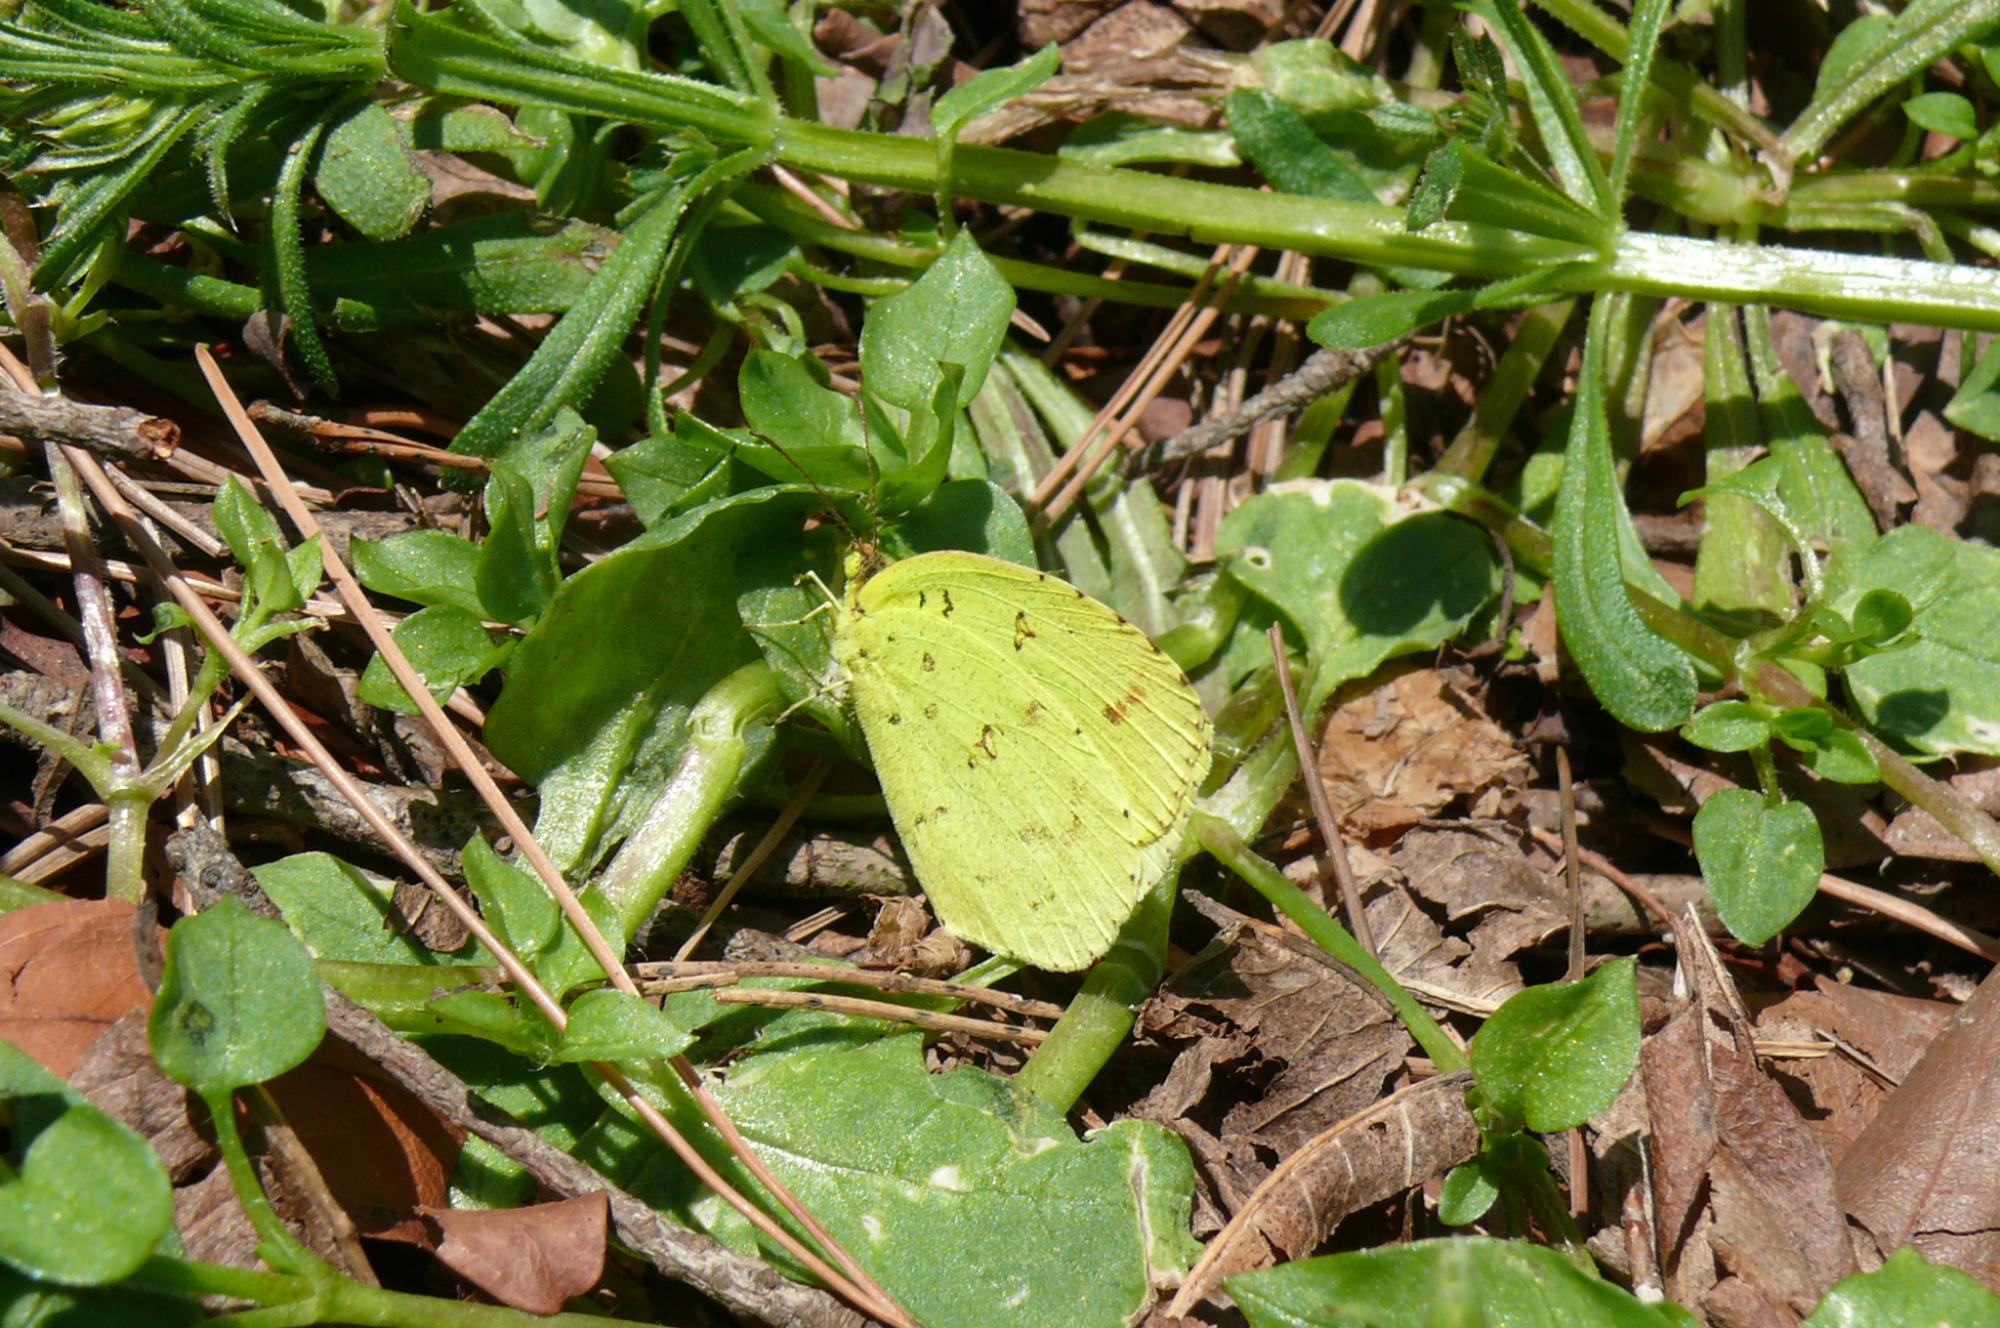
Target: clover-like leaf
x=239 y=1002
x=1763 y=861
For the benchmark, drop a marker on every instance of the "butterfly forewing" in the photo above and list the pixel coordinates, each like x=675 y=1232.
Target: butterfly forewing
x=1038 y=753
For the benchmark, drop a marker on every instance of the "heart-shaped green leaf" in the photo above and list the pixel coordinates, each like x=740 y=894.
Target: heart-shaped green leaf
x=239 y=1002
x=1553 y=1057
x=1763 y=861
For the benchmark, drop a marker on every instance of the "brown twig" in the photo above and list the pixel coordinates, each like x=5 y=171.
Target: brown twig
x=107 y=430
x=931 y=1020
x=794 y=806
x=859 y=977
x=1333 y=848
x=1322 y=372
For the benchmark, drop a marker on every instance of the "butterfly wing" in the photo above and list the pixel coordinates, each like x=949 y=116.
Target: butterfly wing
x=1039 y=754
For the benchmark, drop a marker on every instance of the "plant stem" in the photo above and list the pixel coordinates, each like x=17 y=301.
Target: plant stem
x=1228 y=848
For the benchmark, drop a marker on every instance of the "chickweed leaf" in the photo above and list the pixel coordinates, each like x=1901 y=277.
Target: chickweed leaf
x=956 y=313
x=1373 y=319
x=447 y=646
x=85 y=1200
x=1554 y=1056
x=514 y=903
x=1464 y=1280
x=1728 y=726
x=1944 y=113
x=608 y=1025
x=239 y=1002
x=1907 y=1292
x=989 y=90
x=1467 y=1195
x=1763 y=861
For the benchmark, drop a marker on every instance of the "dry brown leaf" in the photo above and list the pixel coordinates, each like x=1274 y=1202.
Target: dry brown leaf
x=1741 y=1185
x=118 y=1073
x=1922 y=1172
x=383 y=1154
x=535 y=1259
x=1880 y=1035
x=67 y=972
x=1413 y=1135
x=1406 y=749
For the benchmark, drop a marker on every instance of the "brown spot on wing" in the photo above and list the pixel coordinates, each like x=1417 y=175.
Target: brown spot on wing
x=1117 y=710
x=1021 y=629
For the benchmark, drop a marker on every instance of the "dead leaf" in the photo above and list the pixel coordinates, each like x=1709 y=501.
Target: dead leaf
x=1406 y=1139
x=1880 y=1037
x=1408 y=748
x=383 y=1154
x=1741 y=1185
x=119 y=1075
x=1922 y=1172
x=535 y=1259
x=67 y=972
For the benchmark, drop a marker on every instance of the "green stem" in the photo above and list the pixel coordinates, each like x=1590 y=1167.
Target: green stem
x=1472 y=451
x=1099 y=1018
x=298 y=1300
x=1922 y=33
x=277 y=1245
x=89 y=762
x=1228 y=848
x=651 y=860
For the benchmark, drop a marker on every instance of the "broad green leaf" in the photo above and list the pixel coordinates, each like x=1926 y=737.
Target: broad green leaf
x=239 y=1002
x=662 y=476
x=514 y=904
x=365 y=174
x=1472 y=1280
x=1812 y=480
x=1763 y=861
x=1373 y=319
x=970 y=1200
x=1743 y=566
x=554 y=1101
x=1943 y=113
x=1554 y=1056
x=974 y=515
x=1882 y=615
x=86 y=1199
x=956 y=313
x=1843 y=758
x=423 y=566
x=1853 y=43
x=1728 y=726
x=447 y=646
x=340 y=912
x=598 y=695
x=1361 y=580
x=527 y=501
x=1645 y=683
x=27 y=1304
x=990 y=89
x=1908 y=1292
x=1940 y=694
x=515 y=580
x=509 y=263
x=737 y=256
x=817 y=429
x=568 y=963
x=608 y=1025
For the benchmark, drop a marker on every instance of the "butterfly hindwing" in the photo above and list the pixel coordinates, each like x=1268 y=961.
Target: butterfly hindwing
x=1038 y=753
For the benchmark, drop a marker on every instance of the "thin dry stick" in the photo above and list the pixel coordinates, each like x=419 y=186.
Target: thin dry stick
x=1913 y=915
x=932 y=1020
x=866 y=1291
x=1333 y=849
x=859 y=977
x=1579 y=1156
x=275 y=705
x=1066 y=464
x=1609 y=870
x=67 y=829
x=1169 y=363
x=797 y=804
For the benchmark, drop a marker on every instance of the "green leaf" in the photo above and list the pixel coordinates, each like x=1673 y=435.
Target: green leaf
x=571 y=359
x=86 y=1199
x=423 y=566
x=1763 y=861
x=339 y=912
x=1728 y=726
x=1843 y=758
x=515 y=579
x=516 y=905
x=1882 y=615
x=568 y=963
x=527 y=499
x=1360 y=579
x=989 y=90
x=365 y=175
x=447 y=646
x=1373 y=319
x=1552 y=102
x=32 y=1305
x=595 y=708
x=1286 y=151
x=737 y=257
x=1468 y=1193
x=1975 y=407
x=287 y=289
x=1642 y=43
x=662 y=476
x=1436 y=187
x=956 y=313
x=254 y=541
x=1646 y=683
x=1554 y=1056
x=1119 y=138
x=239 y=1002
x=1907 y=1292
x=1943 y=113
x=1940 y=694
x=903 y=1166
x=607 y=1025
x=1470 y=1280
x=768 y=24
